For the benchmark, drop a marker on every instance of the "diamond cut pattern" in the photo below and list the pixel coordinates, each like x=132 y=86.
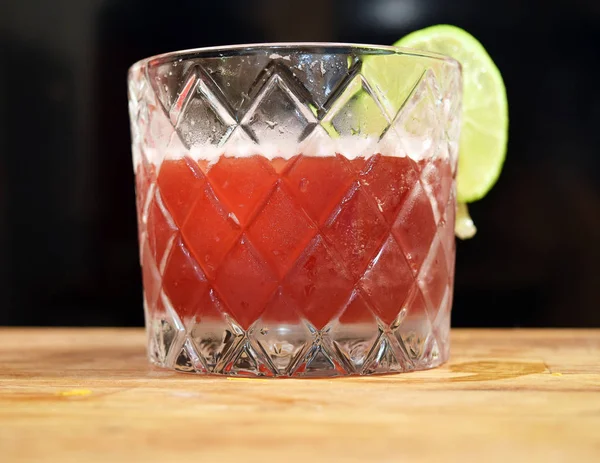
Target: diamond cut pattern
x=198 y=114
x=245 y=283
x=434 y=277
x=244 y=183
x=344 y=116
x=293 y=231
x=214 y=336
x=357 y=315
x=319 y=363
x=184 y=282
x=417 y=125
x=415 y=328
x=319 y=194
x=209 y=230
x=356 y=231
x=179 y=182
x=307 y=266
x=415 y=228
x=318 y=276
x=281 y=334
x=389 y=180
x=382 y=358
x=387 y=281
x=278 y=112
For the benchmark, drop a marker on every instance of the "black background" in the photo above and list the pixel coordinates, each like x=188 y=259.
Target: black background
x=68 y=250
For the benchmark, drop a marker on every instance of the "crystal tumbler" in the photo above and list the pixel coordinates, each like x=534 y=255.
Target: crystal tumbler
x=296 y=207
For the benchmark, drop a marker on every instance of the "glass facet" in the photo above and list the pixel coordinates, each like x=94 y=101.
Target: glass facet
x=296 y=208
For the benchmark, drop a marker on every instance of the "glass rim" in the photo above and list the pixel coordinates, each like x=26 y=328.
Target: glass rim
x=290 y=47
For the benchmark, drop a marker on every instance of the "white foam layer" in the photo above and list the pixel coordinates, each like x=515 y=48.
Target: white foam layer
x=349 y=147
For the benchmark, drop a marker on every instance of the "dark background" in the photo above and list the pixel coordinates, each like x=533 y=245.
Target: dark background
x=68 y=250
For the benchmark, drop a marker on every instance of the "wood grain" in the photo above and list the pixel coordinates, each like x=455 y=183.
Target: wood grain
x=88 y=395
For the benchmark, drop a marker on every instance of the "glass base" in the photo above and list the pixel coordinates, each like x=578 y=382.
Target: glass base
x=279 y=349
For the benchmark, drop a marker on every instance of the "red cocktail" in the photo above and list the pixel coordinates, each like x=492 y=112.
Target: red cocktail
x=321 y=241
x=262 y=261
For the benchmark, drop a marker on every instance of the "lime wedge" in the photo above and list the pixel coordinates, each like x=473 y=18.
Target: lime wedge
x=464 y=227
x=484 y=130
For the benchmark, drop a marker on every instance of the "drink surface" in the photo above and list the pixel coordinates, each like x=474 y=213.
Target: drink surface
x=326 y=242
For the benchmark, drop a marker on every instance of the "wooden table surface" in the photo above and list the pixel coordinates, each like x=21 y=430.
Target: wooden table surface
x=88 y=395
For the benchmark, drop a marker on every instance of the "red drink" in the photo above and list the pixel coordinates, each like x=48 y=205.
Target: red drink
x=346 y=250
x=258 y=260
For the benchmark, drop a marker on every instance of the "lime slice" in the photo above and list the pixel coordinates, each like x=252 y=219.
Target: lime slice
x=464 y=227
x=484 y=130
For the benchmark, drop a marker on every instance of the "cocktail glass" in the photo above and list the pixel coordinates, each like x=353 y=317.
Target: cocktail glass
x=296 y=207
